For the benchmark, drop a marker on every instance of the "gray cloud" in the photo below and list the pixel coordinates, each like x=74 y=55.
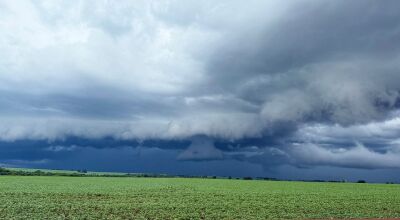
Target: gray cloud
x=322 y=74
x=201 y=149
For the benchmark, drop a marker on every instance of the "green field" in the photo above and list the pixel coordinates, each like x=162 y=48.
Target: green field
x=55 y=197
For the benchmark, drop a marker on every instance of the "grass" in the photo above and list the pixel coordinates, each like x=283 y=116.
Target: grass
x=55 y=197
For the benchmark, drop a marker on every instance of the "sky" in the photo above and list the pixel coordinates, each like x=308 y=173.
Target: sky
x=297 y=90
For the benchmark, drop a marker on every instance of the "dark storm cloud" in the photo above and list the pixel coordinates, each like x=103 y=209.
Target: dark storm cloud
x=305 y=83
x=297 y=66
x=311 y=32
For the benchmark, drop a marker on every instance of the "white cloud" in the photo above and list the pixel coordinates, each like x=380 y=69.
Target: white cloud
x=355 y=157
x=51 y=128
x=60 y=148
x=383 y=131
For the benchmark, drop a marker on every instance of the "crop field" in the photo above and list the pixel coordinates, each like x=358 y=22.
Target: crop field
x=55 y=197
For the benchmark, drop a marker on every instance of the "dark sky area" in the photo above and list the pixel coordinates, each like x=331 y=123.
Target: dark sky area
x=304 y=89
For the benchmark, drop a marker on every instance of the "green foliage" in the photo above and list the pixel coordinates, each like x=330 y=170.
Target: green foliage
x=78 y=173
x=59 y=197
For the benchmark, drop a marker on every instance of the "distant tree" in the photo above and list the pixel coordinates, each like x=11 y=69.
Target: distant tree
x=247 y=178
x=4 y=171
x=361 y=181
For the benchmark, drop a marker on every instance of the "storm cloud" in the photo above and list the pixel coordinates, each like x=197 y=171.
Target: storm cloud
x=301 y=83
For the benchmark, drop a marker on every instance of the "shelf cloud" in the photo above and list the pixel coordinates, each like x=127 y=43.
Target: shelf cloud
x=305 y=83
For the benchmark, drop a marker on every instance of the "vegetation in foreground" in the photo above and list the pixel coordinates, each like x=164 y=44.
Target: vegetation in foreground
x=61 y=197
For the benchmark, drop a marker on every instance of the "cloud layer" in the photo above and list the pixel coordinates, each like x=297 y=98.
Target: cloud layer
x=306 y=83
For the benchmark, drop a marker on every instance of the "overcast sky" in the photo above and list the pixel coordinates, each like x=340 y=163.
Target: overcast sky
x=304 y=89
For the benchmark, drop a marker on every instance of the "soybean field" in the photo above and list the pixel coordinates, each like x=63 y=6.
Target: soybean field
x=60 y=197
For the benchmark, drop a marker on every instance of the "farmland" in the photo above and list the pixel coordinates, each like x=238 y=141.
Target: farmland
x=52 y=197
